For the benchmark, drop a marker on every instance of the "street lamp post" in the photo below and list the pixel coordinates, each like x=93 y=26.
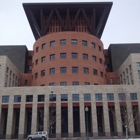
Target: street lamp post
x=86 y=110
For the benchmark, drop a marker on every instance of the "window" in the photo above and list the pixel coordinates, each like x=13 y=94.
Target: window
x=110 y=96
x=106 y=66
x=36 y=75
x=130 y=67
x=99 y=48
x=17 y=98
x=41 y=98
x=43 y=46
x=131 y=77
x=43 y=59
x=87 y=97
x=52 y=97
x=0 y=66
x=127 y=71
x=29 y=98
x=5 y=99
x=75 y=97
x=37 y=48
x=94 y=72
x=42 y=72
x=74 y=69
x=111 y=80
x=52 y=43
x=52 y=70
x=74 y=42
x=36 y=61
x=42 y=85
x=98 y=96
x=75 y=83
x=26 y=82
x=29 y=67
x=52 y=84
x=100 y=61
x=74 y=55
x=52 y=56
x=133 y=96
x=138 y=65
x=96 y=84
x=63 y=83
x=63 y=42
x=101 y=74
x=84 y=43
x=86 y=70
x=62 y=55
x=10 y=72
x=128 y=80
x=63 y=70
x=86 y=83
x=121 y=96
x=64 y=97
x=94 y=58
x=85 y=56
x=92 y=45
x=13 y=76
x=7 y=70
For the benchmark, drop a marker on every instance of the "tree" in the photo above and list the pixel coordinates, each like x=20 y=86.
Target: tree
x=50 y=118
x=128 y=113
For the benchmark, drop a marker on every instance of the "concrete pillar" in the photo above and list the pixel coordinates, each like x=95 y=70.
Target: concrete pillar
x=70 y=116
x=46 y=113
x=82 y=116
x=22 y=118
x=1 y=115
x=10 y=118
x=58 y=117
x=106 y=115
x=138 y=118
x=130 y=114
x=34 y=115
x=117 y=116
x=94 y=116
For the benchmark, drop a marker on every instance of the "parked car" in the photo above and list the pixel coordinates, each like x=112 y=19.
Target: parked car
x=38 y=135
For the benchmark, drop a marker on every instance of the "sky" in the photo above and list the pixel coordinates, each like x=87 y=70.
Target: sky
x=123 y=24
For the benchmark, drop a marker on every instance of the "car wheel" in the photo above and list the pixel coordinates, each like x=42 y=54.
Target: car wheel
x=43 y=138
x=29 y=138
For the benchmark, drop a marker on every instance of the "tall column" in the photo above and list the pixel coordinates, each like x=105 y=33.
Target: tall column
x=46 y=113
x=58 y=117
x=138 y=118
x=22 y=118
x=10 y=118
x=106 y=115
x=82 y=116
x=117 y=115
x=94 y=116
x=70 y=116
x=130 y=114
x=0 y=115
x=34 y=115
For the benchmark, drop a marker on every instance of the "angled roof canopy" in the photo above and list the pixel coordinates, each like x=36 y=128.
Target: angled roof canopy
x=98 y=10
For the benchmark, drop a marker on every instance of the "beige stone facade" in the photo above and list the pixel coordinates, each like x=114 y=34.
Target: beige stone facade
x=9 y=74
x=92 y=102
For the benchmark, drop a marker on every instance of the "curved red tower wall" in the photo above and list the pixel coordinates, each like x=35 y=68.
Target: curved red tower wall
x=88 y=48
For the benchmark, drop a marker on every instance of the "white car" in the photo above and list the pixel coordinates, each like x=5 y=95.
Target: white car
x=38 y=135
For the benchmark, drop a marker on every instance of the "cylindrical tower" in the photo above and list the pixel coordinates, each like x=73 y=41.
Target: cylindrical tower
x=68 y=58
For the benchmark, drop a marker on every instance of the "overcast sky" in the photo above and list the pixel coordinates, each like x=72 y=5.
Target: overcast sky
x=123 y=24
